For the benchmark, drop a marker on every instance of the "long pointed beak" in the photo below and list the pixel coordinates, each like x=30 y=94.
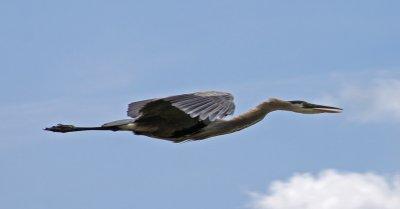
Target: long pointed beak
x=323 y=109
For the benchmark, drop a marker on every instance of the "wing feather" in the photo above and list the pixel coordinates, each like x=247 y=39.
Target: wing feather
x=204 y=113
x=209 y=105
x=196 y=109
x=216 y=112
x=189 y=109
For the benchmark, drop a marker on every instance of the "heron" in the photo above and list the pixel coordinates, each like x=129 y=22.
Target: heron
x=195 y=116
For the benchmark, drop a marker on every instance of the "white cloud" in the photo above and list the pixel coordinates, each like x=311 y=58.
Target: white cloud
x=380 y=100
x=368 y=100
x=331 y=190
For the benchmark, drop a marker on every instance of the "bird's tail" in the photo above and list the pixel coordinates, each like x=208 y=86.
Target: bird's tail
x=70 y=128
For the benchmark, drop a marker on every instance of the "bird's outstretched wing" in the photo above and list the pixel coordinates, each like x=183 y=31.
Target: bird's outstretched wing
x=210 y=105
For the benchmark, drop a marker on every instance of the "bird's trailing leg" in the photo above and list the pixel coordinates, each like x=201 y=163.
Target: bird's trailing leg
x=70 y=128
x=61 y=128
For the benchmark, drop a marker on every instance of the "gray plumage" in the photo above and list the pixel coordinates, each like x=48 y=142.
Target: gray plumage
x=194 y=116
x=208 y=105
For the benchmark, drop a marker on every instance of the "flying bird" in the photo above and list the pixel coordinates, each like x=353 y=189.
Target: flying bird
x=195 y=116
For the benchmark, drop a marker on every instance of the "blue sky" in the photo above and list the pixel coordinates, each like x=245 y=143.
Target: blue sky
x=82 y=62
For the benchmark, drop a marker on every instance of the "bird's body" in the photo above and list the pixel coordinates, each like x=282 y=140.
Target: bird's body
x=194 y=116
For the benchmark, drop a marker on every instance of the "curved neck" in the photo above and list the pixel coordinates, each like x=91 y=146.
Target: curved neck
x=248 y=118
x=256 y=114
x=244 y=120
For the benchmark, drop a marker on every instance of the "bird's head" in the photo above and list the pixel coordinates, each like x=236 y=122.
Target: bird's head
x=299 y=106
x=309 y=108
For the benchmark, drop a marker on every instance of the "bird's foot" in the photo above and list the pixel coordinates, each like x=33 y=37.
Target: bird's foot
x=61 y=128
